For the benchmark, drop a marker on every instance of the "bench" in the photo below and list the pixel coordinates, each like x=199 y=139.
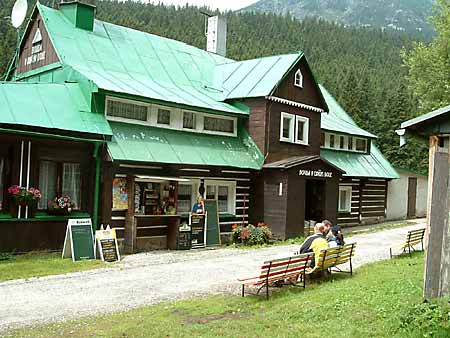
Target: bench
x=278 y=271
x=413 y=238
x=333 y=257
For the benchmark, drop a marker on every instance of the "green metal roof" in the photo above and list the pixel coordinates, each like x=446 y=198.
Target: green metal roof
x=253 y=78
x=425 y=118
x=338 y=120
x=50 y=106
x=123 y=60
x=149 y=144
x=373 y=165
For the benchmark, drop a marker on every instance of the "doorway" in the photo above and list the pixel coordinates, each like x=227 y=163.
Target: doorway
x=412 y=194
x=314 y=200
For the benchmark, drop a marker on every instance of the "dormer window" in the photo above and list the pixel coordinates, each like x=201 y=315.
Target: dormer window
x=298 y=79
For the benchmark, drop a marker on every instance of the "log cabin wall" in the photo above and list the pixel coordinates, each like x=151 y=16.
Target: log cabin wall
x=42 y=54
x=368 y=203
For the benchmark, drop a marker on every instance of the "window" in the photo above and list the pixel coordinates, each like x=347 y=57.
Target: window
x=302 y=129
x=225 y=194
x=345 y=199
x=341 y=142
x=163 y=117
x=331 y=141
x=2 y=175
x=322 y=139
x=189 y=120
x=287 y=127
x=59 y=179
x=185 y=200
x=126 y=110
x=361 y=145
x=298 y=79
x=350 y=143
x=218 y=124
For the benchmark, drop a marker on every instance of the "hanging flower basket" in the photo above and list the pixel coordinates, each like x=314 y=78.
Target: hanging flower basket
x=62 y=206
x=26 y=199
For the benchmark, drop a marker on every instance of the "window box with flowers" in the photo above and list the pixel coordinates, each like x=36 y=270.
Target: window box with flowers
x=61 y=206
x=23 y=201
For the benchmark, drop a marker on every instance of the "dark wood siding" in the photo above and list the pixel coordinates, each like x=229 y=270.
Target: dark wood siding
x=368 y=204
x=257 y=122
x=47 y=47
x=278 y=150
x=309 y=94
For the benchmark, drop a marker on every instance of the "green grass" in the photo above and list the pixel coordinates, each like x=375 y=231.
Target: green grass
x=380 y=300
x=42 y=264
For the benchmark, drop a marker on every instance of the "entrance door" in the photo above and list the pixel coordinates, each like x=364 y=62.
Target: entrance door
x=412 y=194
x=314 y=200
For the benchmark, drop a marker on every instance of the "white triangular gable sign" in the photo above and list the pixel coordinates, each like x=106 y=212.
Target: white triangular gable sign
x=37 y=36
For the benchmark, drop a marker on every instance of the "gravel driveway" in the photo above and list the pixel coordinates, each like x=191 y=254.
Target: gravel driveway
x=149 y=278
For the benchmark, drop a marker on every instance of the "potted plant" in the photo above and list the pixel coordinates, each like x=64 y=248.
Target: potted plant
x=61 y=205
x=24 y=198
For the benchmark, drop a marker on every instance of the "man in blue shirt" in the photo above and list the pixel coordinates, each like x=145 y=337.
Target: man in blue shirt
x=199 y=207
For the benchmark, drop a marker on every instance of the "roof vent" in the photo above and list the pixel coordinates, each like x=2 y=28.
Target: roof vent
x=80 y=13
x=216 y=35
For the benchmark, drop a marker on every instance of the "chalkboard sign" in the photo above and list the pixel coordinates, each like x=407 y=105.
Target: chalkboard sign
x=197 y=223
x=79 y=241
x=106 y=241
x=184 y=237
x=212 y=223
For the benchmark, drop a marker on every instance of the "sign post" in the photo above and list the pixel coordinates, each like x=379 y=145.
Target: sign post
x=106 y=244
x=79 y=240
x=198 y=223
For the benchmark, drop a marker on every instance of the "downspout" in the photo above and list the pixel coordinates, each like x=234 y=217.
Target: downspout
x=97 y=186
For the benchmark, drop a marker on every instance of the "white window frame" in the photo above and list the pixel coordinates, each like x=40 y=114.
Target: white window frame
x=354 y=144
x=298 y=79
x=348 y=203
x=194 y=195
x=346 y=143
x=305 y=120
x=292 y=122
x=123 y=119
x=231 y=191
x=196 y=118
x=176 y=118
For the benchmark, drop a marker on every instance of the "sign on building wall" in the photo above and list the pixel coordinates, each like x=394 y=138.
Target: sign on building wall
x=315 y=173
x=37 y=54
x=120 y=195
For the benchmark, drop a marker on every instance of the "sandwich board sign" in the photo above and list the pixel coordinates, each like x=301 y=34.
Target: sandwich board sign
x=106 y=244
x=197 y=223
x=79 y=241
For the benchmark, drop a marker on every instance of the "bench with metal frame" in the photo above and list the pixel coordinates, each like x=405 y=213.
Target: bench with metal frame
x=281 y=271
x=333 y=257
x=413 y=238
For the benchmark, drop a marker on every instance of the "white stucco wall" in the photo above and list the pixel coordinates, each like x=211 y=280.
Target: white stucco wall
x=397 y=199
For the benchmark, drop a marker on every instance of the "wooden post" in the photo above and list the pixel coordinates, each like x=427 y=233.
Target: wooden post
x=437 y=261
x=130 y=225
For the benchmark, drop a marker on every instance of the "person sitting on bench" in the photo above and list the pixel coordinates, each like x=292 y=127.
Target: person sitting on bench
x=336 y=238
x=316 y=242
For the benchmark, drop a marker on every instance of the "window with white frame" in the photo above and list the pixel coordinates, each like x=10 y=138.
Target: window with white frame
x=125 y=109
x=361 y=145
x=301 y=129
x=189 y=120
x=345 y=142
x=345 y=199
x=298 y=79
x=287 y=127
x=225 y=194
x=163 y=117
x=186 y=197
x=218 y=124
x=331 y=142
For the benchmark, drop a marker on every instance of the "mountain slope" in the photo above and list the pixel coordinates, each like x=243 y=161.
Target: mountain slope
x=403 y=15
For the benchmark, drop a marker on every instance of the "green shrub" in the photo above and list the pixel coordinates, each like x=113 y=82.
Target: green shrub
x=252 y=235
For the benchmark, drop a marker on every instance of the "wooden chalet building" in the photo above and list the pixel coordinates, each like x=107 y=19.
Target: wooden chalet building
x=162 y=121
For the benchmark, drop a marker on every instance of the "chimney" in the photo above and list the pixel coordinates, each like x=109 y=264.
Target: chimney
x=216 y=35
x=80 y=14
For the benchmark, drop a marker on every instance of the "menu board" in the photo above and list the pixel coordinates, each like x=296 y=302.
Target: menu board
x=79 y=241
x=120 y=194
x=197 y=223
x=106 y=241
x=184 y=237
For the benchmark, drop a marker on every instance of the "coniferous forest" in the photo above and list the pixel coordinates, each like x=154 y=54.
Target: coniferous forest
x=362 y=68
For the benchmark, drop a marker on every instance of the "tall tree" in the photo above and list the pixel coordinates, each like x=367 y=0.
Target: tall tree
x=429 y=64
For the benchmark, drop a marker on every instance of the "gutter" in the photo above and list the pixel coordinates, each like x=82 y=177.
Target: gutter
x=96 y=187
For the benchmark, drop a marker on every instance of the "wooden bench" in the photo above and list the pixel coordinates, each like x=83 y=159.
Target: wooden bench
x=333 y=257
x=278 y=271
x=413 y=238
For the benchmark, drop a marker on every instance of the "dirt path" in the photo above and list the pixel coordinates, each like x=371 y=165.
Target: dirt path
x=149 y=278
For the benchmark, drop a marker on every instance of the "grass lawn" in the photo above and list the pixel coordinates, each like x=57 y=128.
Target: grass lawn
x=42 y=264
x=380 y=300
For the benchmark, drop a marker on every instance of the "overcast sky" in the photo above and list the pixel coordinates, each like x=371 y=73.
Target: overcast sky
x=213 y=4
